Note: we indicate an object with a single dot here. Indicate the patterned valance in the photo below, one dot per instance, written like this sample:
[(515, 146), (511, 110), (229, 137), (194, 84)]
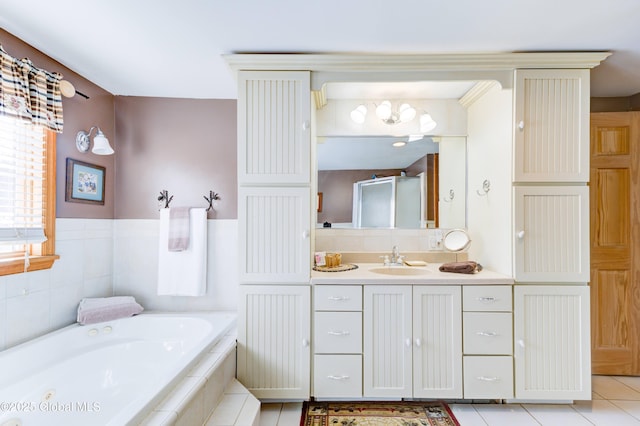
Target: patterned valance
[(30, 93)]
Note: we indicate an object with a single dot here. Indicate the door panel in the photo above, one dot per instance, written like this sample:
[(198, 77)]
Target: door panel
[(615, 234)]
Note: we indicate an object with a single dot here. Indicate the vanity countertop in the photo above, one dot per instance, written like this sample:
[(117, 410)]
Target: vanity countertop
[(429, 274)]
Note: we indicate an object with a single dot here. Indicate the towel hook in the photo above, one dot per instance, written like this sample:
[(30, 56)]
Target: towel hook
[(486, 186), (164, 196), (213, 196), (450, 197)]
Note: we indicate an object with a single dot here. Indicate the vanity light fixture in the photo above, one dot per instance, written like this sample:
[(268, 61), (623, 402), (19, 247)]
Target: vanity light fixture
[(100, 142), (404, 113)]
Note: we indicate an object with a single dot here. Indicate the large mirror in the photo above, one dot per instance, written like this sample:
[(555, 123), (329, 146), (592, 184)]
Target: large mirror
[(418, 184), (378, 175)]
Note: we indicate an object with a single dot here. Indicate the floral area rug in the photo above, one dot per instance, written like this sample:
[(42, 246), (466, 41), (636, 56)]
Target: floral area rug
[(409, 413)]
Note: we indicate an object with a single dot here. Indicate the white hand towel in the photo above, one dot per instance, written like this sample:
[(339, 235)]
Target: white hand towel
[(178, 228), (183, 273)]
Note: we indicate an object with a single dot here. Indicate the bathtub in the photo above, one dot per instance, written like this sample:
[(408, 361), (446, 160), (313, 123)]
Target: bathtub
[(111, 373)]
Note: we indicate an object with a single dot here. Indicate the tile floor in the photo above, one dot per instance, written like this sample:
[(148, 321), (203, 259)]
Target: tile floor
[(616, 402)]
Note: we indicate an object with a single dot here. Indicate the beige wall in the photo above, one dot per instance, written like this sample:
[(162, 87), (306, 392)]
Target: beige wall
[(79, 114), (186, 146)]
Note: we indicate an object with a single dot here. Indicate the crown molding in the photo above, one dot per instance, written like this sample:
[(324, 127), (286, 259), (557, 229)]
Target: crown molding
[(476, 92), (413, 62)]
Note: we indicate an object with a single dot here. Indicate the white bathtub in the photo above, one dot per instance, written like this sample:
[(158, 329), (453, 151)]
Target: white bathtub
[(111, 373)]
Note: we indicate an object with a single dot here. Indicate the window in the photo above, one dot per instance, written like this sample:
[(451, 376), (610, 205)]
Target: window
[(27, 196)]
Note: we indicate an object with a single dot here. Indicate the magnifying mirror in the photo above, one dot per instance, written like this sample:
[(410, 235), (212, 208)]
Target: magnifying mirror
[(456, 240)]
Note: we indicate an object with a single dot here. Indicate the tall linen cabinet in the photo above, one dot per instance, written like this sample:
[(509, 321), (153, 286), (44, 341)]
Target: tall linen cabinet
[(274, 330), (551, 235)]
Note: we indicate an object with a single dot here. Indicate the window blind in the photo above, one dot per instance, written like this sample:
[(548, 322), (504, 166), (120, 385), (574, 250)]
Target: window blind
[(22, 172)]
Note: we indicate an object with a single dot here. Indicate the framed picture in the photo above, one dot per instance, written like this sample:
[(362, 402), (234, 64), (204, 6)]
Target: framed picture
[(85, 182)]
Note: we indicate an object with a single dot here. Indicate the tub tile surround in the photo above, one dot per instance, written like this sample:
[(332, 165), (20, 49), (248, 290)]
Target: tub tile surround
[(136, 266), (209, 395), (38, 302)]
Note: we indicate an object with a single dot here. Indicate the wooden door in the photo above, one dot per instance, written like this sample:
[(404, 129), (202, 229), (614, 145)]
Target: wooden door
[(615, 243)]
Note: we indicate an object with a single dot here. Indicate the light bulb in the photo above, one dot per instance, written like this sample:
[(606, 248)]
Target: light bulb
[(358, 115), (383, 111)]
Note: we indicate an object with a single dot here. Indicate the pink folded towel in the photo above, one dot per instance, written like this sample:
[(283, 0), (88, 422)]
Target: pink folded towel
[(99, 309), (178, 228)]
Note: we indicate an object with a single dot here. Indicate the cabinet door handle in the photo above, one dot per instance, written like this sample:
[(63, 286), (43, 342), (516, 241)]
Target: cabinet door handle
[(486, 299), (338, 333), (305, 343), (305, 125), (305, 234), (487, 333), (332, 377), (521, 125), (408, 343), (520, 235), (337, 298), (521, 343), (418, 342), (488, 379)]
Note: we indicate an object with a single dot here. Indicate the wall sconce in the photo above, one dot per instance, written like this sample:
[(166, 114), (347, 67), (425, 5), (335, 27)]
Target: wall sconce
[(100, 142)]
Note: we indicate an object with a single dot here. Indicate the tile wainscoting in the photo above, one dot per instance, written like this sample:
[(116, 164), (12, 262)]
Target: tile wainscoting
[(105, 257)]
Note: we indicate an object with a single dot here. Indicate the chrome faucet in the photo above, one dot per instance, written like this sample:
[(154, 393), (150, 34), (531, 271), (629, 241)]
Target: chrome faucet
[(396, 259)]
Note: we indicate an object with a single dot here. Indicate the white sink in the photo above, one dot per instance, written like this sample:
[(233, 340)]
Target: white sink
[(398, 270)]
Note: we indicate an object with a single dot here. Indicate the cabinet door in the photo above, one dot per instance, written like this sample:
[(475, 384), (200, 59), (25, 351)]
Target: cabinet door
[(551, 126), (552, 350), (274, 235), (274, 113), (551, 234), (274, 327), (437, 334), (387, 341)]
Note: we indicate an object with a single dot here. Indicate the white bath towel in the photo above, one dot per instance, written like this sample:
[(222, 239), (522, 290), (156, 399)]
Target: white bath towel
[(183, 273)]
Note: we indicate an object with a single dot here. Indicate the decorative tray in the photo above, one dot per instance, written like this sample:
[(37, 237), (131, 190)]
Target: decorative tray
[(340, 268)]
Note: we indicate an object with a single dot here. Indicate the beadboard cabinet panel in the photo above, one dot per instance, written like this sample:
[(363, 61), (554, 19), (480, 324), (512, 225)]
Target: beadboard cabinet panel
[(274, 331), (552, 342), (551, 126), (551, 240), (274, 239), (274, 115)]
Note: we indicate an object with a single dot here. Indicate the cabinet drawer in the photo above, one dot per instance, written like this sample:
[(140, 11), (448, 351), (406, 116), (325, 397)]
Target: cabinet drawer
[(486, 298), (337, 376), (488, 377), (338, 332), (487, 333), (337, 297)]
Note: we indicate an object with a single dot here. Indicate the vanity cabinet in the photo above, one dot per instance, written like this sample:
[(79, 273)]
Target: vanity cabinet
[(552, 342), (274, 336), (274, 223), (551, 140), (337, 341), (487, 342), (551, 234), (412, 341)]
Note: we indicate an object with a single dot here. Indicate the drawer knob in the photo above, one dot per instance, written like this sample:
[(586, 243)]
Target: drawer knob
[(488, 379), (338, 333), (486, 299), (337, 298), (487, 333), (332, 377)]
